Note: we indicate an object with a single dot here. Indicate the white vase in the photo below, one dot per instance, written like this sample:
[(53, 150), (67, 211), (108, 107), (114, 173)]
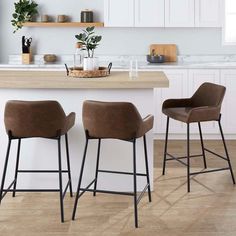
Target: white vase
[(90, 63)]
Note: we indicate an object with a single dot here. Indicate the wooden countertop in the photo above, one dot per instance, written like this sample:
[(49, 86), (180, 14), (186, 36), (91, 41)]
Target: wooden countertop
[(58, 80)]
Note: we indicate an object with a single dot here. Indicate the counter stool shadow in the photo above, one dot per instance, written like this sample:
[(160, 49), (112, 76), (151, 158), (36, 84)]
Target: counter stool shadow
[(114, 120), (37, 119), (203, 106)]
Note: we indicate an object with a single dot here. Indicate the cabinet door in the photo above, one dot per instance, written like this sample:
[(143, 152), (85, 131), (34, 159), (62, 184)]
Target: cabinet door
[(228, 106), (119, 13), (177, 89), (149, 13), (196, 78), (208, 13), (179, 13)]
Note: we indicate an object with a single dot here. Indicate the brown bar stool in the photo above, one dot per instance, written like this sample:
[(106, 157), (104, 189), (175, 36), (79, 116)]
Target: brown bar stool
[(41, 119), (204, 105), (114, 120)]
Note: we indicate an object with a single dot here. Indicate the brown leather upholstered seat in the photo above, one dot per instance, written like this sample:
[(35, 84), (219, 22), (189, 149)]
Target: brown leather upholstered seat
[(43, 119), (119, 120), (204, 105), (37, 119), (114, 120)]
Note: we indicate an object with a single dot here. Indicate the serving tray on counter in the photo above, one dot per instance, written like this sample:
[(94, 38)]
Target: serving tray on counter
[(78, 72)]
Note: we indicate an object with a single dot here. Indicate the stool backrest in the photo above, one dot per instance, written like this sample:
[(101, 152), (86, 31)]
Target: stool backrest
[(209, 94), (119, 120), (34, 118)]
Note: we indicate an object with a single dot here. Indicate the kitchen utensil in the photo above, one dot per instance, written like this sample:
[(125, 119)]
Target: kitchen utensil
[(168, 50), (86, 16), (26, 43), (156, 58)]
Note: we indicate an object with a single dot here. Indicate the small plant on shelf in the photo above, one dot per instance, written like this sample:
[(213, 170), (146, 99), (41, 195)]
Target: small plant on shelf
[(24, 11), (88, 41)]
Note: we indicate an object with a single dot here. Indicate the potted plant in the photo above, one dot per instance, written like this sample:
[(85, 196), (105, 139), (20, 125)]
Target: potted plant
[(24, 11), (89, 42)]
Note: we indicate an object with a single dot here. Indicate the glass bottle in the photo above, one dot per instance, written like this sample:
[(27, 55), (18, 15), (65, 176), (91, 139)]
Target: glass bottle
[(78, 56)]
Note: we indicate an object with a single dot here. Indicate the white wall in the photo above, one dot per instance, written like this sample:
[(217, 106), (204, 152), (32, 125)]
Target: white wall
[(115, 40)]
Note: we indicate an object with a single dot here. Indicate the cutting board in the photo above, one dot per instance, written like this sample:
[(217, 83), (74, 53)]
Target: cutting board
[(169, 50)]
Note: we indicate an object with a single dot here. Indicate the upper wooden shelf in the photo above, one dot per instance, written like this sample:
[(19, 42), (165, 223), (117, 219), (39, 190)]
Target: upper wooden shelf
[(64, 24)]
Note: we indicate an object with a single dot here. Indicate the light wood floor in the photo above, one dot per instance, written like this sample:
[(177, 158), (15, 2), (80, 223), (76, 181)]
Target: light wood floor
[(209, 210)]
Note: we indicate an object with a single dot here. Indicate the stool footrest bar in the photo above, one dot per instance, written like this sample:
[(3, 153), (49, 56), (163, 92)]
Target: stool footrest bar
[(120, 172), (209, 171), (64, 193), (175, 158), (184, 157), (215, 154), (106, 191), (142, 193), (41, 171), (86, 189), (8, 189), (32, 190)]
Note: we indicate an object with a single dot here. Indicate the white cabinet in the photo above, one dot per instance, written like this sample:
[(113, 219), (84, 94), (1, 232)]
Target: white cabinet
[(178, 80), (208, 13), (163, 13), (228, 79), (134, 13), (179, 13), (149, 13), (196, 78), (119, 13)]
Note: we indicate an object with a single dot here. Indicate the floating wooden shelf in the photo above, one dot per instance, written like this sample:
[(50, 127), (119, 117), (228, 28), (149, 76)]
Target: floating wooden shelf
[(64, 24)]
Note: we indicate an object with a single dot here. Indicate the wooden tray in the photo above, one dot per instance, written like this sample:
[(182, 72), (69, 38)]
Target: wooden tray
[(78, 72)]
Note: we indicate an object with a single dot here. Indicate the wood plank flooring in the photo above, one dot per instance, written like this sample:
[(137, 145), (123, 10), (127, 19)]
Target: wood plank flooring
[(209, 210)]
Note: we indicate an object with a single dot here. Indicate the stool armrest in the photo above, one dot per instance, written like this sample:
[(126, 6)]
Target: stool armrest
[(204, 113), (146, 125), (170, 103), (69, 122)]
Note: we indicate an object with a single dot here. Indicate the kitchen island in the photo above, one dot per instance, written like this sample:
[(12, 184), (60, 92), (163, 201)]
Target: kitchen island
[(46, 84)]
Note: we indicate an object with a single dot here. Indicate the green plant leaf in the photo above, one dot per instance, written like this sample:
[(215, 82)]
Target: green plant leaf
[(89, 40), (24, 11), (90, 29)]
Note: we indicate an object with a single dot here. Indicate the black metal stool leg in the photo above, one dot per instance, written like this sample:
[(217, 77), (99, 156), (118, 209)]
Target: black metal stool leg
[(226, 150), (147, 169), (68, 164), (60, 179), (166, 142), (188, 157), (97, 166), (202, 145), (17, 165), (80, 180), (5, 169), (135, 185)]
